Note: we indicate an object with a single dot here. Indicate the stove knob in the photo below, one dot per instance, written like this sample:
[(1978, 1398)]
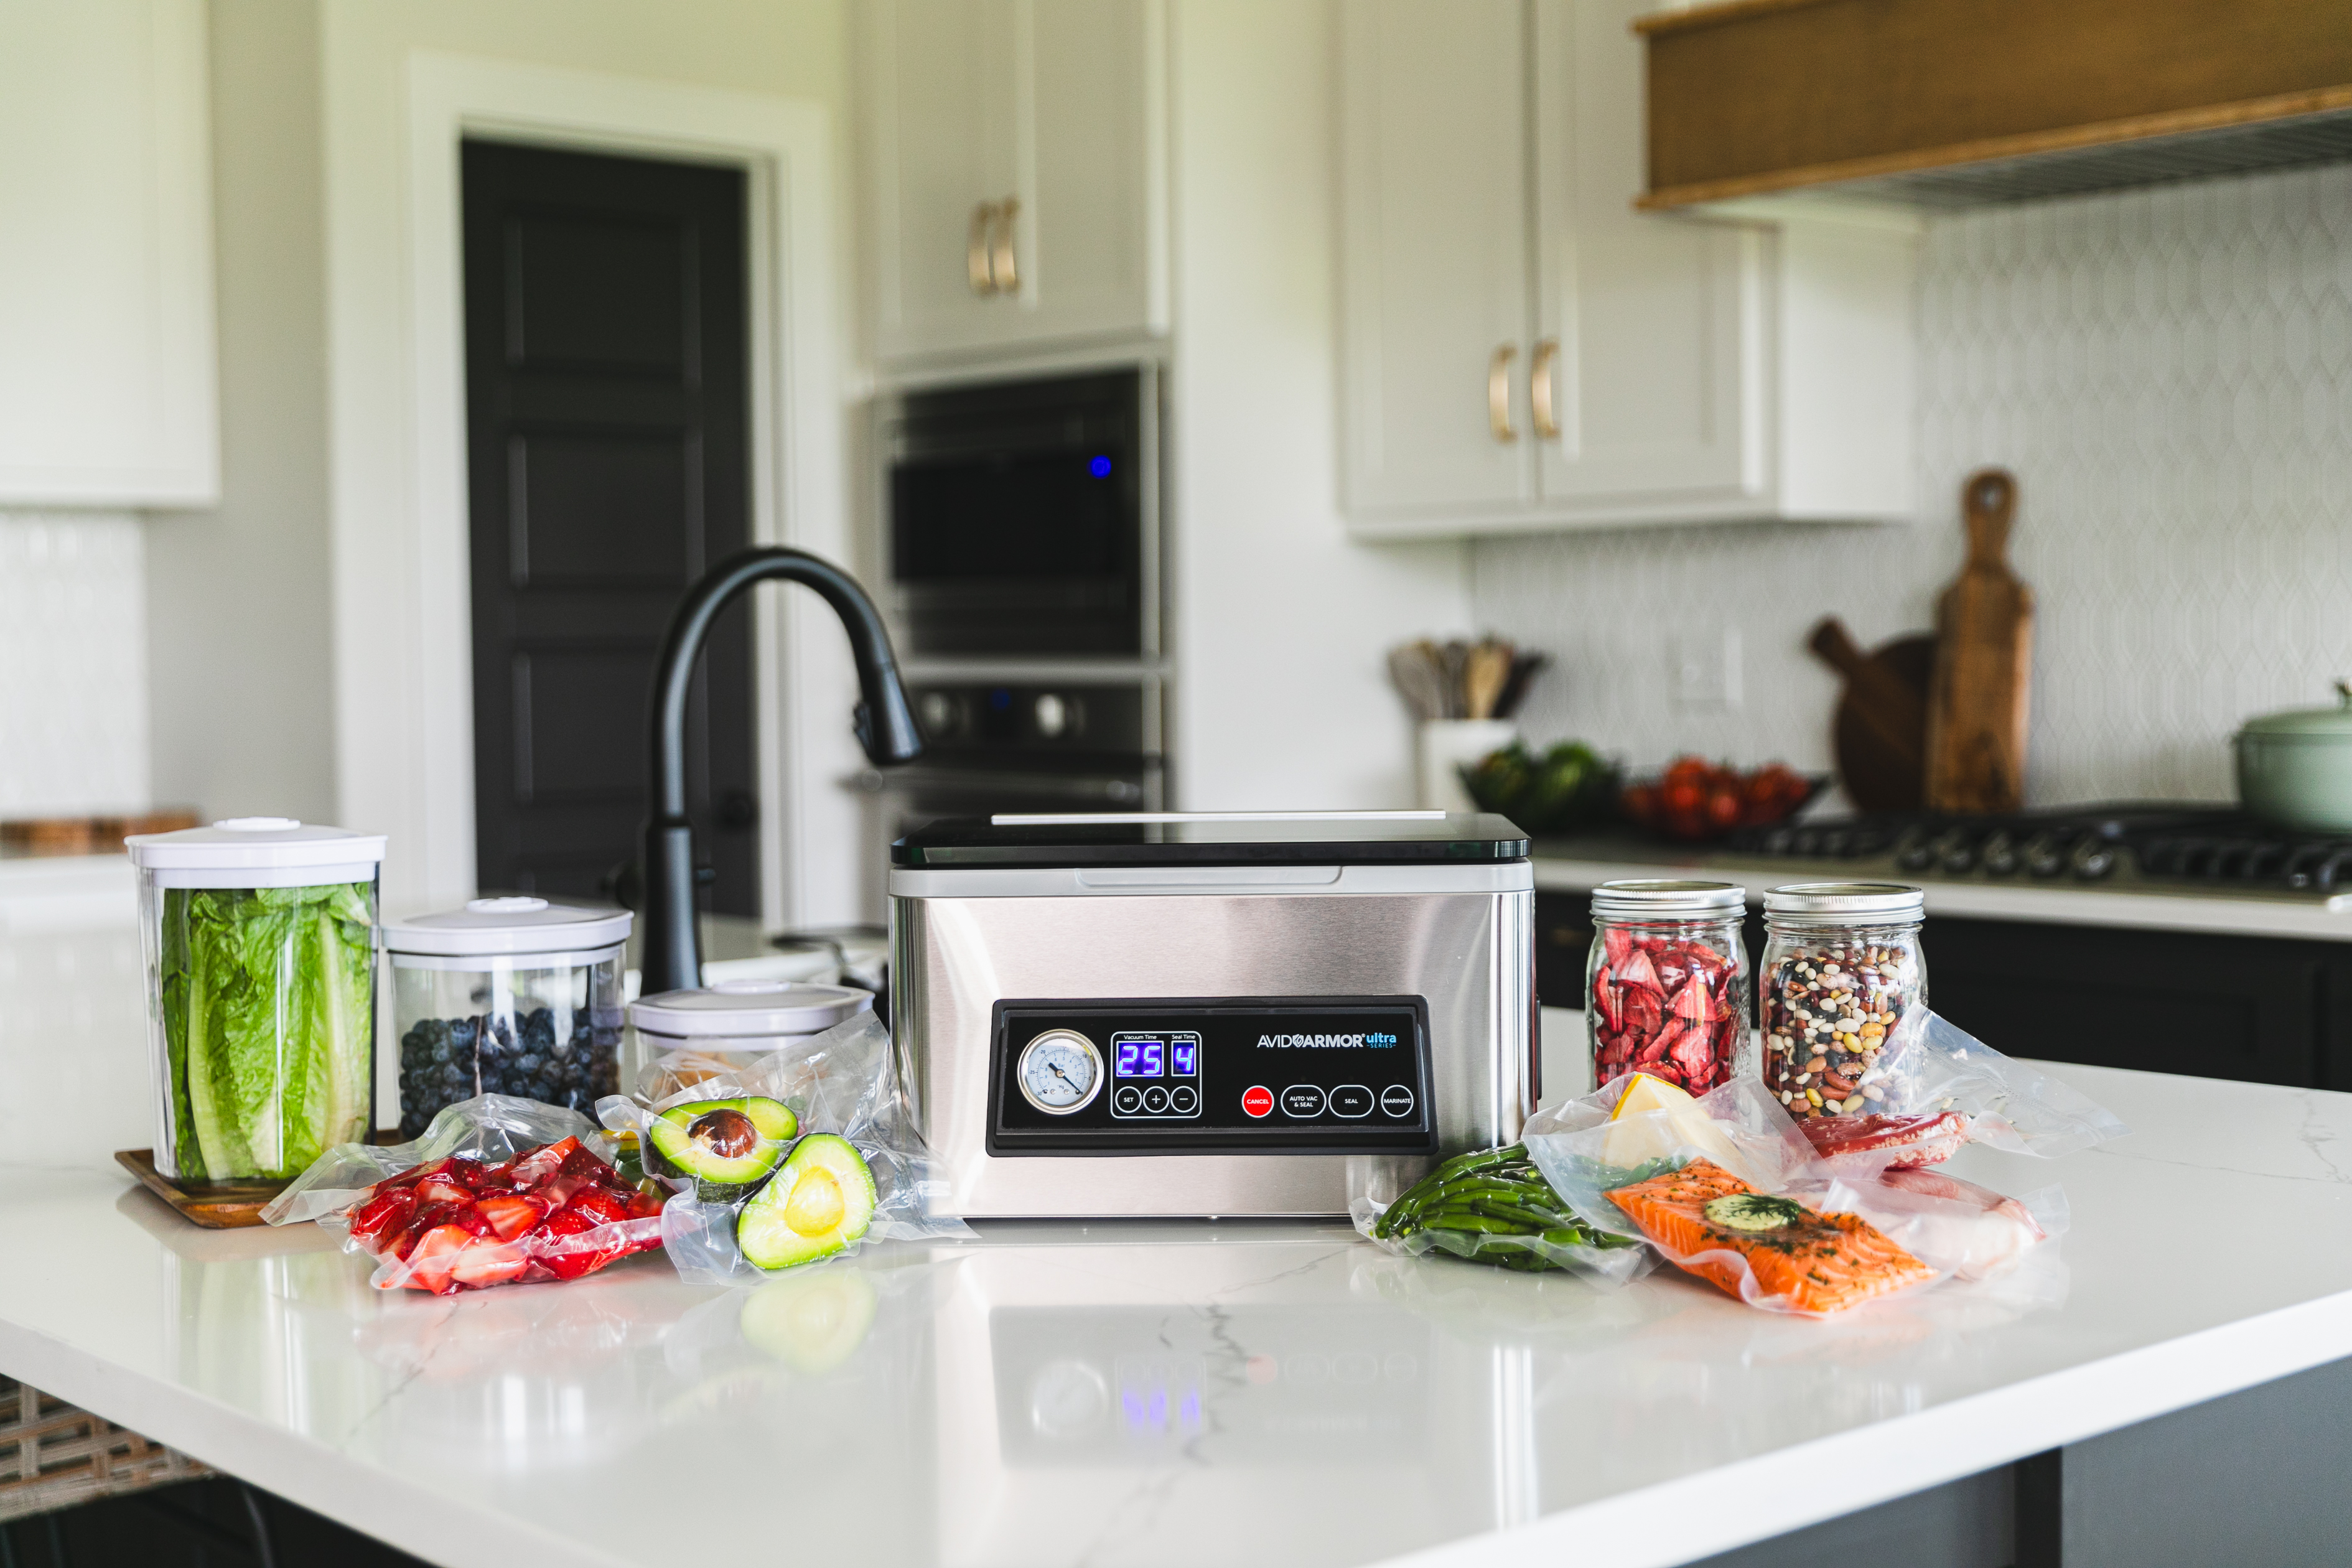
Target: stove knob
[(2001, 856), (1914, 851), (1955, 852), (2045, 855), (2092, 859), (1052, 715)]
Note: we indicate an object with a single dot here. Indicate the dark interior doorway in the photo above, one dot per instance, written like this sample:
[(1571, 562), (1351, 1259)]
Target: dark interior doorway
[(608, 465)]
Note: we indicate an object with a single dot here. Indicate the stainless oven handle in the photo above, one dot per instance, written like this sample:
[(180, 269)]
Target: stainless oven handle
[(1058, 786)]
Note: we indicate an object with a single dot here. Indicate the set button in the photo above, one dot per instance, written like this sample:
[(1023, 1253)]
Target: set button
[(1396, 1101), (1128, 1100), (1302, 1101), (1351, 1100)]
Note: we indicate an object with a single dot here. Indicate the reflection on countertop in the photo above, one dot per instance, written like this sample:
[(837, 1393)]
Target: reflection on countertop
[(1164, 1392)]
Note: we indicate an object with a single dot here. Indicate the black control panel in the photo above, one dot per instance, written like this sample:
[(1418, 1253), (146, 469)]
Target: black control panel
[(1286, 1074)]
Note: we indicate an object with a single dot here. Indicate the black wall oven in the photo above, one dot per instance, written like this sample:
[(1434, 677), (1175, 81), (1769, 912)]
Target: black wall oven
[(1023, 517)]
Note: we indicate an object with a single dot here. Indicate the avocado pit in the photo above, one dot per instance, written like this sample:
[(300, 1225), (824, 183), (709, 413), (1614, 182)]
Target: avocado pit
[(726, 1133)]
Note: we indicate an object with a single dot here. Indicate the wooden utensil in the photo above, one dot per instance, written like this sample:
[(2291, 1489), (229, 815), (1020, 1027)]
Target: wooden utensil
[(1880, 731), (1483, 677), (1984, 643)]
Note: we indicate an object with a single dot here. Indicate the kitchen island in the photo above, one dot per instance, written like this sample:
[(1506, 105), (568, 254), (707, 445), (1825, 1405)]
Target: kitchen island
[(1182, 1392)]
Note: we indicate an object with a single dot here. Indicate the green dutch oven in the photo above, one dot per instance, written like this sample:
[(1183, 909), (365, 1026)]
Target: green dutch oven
[(2296, 769)]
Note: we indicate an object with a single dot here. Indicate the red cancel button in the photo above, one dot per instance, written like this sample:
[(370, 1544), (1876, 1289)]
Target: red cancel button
[(1258, 1102)]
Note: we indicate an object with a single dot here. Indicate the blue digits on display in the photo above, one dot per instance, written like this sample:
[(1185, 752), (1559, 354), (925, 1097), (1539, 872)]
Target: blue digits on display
[(1184, 1058), (1140, 1058)]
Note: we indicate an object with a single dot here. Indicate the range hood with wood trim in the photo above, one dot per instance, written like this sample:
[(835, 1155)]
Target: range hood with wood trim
[(1957, 103)]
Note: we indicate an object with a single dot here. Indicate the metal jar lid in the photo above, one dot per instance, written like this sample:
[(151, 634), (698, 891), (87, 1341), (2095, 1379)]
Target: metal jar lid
[(510, 926), (734, 1009), (1862, 902), (1669, 901)]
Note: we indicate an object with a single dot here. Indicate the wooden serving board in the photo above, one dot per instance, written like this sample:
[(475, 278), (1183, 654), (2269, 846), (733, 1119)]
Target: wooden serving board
[(1984, 643), (215, 1206), (1880, 733)]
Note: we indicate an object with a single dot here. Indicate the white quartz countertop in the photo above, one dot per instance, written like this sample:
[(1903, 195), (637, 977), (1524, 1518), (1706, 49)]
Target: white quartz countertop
[(2222, 909), (1174, 1392)]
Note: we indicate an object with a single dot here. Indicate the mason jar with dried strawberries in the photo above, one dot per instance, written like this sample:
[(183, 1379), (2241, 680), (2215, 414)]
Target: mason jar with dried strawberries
[(1844, 983), (1665, 983)]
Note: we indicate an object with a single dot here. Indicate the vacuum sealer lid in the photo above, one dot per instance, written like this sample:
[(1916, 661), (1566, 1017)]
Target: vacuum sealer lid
[(1213, 838)]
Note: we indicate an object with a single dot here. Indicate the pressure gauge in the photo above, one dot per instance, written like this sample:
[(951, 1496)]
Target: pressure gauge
[(1060, 1072)]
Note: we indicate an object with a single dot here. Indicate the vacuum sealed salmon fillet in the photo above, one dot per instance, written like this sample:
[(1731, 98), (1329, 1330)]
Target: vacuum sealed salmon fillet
[(1769, 1251)]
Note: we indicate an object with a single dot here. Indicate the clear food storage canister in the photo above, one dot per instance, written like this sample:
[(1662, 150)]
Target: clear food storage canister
[(1843, 978), (686, 1036), (515, 995), (260, 944), (1665, 983)]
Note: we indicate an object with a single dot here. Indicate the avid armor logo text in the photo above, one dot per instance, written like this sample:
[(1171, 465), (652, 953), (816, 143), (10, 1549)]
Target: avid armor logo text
[(1322, 1042)]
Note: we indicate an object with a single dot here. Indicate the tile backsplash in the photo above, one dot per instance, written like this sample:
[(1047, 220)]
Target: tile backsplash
[(2168, 374), (73, 664)]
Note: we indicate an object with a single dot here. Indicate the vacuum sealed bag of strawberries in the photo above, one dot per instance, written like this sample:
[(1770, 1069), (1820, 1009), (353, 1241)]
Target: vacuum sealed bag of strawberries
[(499, 1190)]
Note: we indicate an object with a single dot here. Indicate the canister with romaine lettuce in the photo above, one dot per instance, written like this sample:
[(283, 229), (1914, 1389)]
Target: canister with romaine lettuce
[(259, 936)]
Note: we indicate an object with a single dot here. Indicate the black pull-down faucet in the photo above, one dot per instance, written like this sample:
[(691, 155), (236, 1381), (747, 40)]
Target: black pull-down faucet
[(886, 728)]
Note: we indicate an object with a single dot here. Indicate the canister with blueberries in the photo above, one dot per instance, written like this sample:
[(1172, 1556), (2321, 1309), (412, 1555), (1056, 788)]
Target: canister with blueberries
[(515, 996), (1844, 983)]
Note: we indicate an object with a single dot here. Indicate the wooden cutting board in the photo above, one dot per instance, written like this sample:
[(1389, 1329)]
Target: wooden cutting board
[(1984, 643), (1880, 732)]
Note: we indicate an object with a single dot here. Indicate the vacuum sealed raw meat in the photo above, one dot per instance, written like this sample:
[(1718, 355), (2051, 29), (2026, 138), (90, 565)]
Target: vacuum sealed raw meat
[(1947, 1088)]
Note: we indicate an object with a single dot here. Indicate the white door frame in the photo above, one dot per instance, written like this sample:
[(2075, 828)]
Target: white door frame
[(403, 679)]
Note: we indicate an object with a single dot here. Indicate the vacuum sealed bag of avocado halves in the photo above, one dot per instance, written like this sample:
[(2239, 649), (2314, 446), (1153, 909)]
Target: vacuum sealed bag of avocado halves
[(808, 1154)]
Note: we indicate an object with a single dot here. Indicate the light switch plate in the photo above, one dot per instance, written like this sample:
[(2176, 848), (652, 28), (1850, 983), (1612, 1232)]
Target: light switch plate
[(1702, 667)]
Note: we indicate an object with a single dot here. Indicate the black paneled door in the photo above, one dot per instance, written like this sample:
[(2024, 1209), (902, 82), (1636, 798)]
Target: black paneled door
[(608, 466)]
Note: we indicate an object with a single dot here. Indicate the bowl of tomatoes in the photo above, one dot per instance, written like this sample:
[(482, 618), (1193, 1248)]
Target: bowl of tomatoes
[(1696, 800)]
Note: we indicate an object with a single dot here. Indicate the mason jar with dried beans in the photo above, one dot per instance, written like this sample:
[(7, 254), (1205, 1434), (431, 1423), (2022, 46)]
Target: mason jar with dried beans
[(1665, 983), (1844, 981)]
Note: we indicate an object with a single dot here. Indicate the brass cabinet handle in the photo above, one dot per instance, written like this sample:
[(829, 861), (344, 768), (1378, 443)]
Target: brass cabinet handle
[(975, 250), (1539, 389), (1003, 269), (1498, 393)]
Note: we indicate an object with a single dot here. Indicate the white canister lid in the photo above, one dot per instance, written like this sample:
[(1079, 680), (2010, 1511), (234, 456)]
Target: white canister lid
[(489, 927), (737, 1007), (258, 852)]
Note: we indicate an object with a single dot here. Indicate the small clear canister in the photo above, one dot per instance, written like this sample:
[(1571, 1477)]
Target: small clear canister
[(684, 1037), (1665, 983), (517, 996), (1844, 981)]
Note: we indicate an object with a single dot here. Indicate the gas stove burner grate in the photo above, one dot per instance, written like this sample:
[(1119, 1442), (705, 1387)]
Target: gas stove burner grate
[(2090, 844)]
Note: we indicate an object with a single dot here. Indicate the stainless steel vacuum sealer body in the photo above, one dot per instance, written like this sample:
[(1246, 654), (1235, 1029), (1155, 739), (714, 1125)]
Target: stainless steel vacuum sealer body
[(1169, 1038)]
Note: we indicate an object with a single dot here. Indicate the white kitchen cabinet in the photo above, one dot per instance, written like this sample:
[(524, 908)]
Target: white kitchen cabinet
[(107, 385), (1018, 171), (1523, 350)]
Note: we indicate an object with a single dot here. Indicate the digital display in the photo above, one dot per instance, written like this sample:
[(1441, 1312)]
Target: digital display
[(1315, 1075)]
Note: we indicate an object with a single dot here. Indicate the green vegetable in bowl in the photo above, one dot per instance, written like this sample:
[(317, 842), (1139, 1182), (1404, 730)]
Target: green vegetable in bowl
[(269, 1020), (1548, 793)]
